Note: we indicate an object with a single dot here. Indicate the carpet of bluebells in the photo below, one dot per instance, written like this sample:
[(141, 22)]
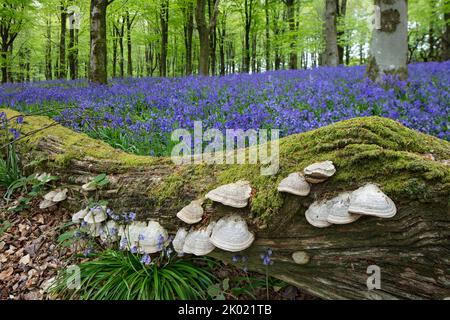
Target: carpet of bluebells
[(139, 115)]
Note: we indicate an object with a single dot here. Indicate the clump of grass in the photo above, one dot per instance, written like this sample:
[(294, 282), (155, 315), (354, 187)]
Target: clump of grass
[(121, 275)]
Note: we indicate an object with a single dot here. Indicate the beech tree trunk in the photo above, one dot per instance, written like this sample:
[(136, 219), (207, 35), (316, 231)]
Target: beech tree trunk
[(341, 12), (389, 47), (188, 33), (164, 20), (48, 52), (293, 57), (331, 51), (446, 38), (129, 22), (411, 250), (267, 30), (62, 44), (98, 48)]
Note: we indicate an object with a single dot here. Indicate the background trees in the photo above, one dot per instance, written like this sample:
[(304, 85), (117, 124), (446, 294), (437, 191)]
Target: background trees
[(182, 37)]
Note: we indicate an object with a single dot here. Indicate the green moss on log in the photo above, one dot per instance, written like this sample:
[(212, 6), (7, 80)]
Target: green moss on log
[(369, 149)]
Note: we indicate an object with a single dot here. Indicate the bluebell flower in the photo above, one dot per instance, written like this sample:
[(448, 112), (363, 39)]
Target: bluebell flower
[(134, 249), (141, 237), (146, 259), (123, 243)]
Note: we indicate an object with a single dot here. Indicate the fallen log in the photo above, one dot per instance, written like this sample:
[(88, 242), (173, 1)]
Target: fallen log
[(412, 249)]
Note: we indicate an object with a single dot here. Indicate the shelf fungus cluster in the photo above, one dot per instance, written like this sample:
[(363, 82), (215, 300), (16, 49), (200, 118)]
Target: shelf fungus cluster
[(230, 233), (145, 237), (348, 207), (53, 198), (344, 208), (234, 195)]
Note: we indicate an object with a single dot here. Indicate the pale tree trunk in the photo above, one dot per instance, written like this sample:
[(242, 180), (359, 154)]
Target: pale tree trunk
[(98, 46), (331, 51), (389, 46), (411, 250), (267, 30), (129, 22)]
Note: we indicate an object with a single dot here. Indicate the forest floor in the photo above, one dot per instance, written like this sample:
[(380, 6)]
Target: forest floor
[(30, 257)]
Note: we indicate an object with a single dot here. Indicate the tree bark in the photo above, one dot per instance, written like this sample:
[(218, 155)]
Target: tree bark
[(446, 38), (267, 30), (62, 74), (248, 20), (222, 35), (204, 28), (164, 20), (48, 52), (73, 50), (98, 48), (188, 33), (389, 47), (129, 22), (293, 57), (341, 12), (331, 51), (411, 249)]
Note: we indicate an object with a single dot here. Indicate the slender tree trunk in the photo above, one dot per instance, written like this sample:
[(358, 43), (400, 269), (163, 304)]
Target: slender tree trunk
[(389, 47), (188, 34), (254, 43), (73, 49), (98, 47), (203, 33), (222, 35), (164, 20), (248, 11), (114, 57), (293, 57), (212, 39), (129, 22), (341, 12), (48, 52), (267, 29), (446, 38), (331, 51), (62, 44)]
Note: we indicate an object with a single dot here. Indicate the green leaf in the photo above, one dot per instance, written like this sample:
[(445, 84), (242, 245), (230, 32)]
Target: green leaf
[(226, 284)]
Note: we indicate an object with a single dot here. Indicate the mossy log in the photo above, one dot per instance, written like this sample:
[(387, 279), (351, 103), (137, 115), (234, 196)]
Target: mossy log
[(412, 249)]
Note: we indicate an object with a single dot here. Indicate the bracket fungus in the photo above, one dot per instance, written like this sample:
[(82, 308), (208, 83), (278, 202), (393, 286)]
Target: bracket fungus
[(51, 195), (178, 241), (46, 204), (317, 215), (192, 213), (338, 210), (296, 184), (319, 172), (77, 217), (231, 234), (148, 237), (370, 200), (234, 195), (110, 231), (60, 196), (96, 214), (197, 242)]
